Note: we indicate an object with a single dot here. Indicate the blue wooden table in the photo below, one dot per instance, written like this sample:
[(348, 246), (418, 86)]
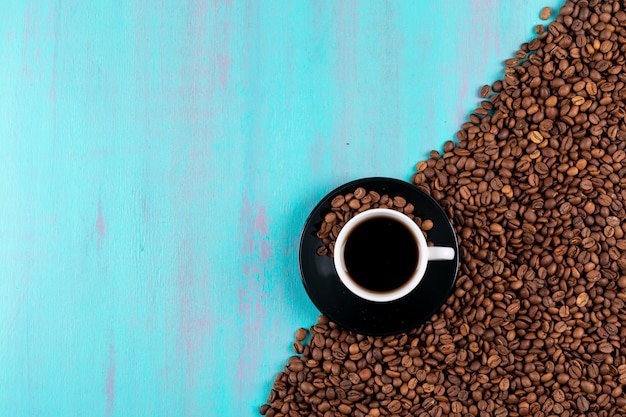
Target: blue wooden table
[(158, 161)]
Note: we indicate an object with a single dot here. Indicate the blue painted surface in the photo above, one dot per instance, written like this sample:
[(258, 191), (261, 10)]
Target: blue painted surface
[(158, 160)]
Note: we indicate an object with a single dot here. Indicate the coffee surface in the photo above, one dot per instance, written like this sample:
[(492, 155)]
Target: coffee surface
[(381, 254)]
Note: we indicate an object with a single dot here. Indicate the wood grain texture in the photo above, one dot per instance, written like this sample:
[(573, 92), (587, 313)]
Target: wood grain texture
[(158, 161)]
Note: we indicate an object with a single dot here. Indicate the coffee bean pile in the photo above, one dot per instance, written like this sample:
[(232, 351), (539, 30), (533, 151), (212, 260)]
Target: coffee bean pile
[(535, 186), (344, 207)]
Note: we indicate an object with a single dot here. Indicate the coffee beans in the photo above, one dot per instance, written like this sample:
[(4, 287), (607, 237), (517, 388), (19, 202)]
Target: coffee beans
[(344, 207), (545, 13), (535, 136), (485, 91), (535, 189)]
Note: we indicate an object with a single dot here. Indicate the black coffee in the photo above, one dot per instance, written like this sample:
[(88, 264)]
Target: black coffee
[(381, 254)]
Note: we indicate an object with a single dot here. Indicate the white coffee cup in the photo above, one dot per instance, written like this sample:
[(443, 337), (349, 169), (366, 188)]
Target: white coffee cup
[(425, 254)]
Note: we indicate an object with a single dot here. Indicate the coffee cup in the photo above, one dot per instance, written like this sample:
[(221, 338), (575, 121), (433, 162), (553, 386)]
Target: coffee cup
[(381, 255)]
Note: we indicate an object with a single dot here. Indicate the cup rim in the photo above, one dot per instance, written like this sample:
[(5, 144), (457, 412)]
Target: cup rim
[(368, 294)]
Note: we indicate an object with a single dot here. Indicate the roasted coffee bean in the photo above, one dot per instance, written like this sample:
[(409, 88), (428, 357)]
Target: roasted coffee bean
[(301, 334), (534, 187), (359, 193), (582, 403), (399, 201), (485, 91)]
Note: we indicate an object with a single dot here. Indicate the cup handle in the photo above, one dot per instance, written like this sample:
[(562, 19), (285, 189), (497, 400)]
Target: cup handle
[(440, 253)]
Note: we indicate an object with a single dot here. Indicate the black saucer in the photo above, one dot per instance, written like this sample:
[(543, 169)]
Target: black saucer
[(334, 300)]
